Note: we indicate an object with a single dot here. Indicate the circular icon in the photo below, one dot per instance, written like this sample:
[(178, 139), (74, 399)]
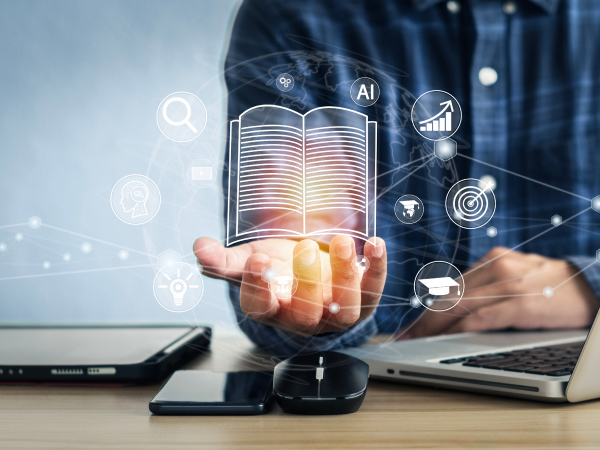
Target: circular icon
[(181, 116), (436, 115), (283, 284), (470, 204), (439, 286), (285, 82), (135, 199), (364, 91), (360, 264), (201, 173), (409, 209), (178, 287)]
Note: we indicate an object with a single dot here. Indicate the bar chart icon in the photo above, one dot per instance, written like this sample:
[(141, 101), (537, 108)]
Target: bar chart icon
[(439, 122), (436, 115)]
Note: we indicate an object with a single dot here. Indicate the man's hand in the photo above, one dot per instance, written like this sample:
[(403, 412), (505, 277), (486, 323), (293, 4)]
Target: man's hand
[(323, 278), (504, 290)]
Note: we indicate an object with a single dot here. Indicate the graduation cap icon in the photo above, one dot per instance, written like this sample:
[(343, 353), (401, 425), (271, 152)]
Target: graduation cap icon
[(409, 207), (439, 286)]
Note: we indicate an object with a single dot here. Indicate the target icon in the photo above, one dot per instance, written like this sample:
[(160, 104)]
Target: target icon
[(470, 203)]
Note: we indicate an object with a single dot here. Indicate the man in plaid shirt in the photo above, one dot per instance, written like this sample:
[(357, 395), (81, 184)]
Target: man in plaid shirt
[(527, 76)]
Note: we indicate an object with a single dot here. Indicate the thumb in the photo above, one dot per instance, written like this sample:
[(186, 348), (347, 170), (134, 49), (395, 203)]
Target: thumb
[(220, 262)]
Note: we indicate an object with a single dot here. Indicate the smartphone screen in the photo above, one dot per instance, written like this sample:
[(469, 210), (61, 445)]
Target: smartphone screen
[(214, 393)]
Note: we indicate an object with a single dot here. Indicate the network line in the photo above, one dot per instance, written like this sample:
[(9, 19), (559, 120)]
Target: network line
[(524, 177), (40, 275)]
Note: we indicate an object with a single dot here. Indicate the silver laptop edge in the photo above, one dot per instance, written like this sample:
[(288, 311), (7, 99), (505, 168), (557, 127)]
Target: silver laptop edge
[(416, 361)]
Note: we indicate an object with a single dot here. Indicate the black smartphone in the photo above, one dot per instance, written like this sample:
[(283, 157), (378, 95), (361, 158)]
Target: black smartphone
[(201, 392)]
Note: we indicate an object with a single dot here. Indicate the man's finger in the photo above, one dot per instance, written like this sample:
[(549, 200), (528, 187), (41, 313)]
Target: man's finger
[(345, 282), (220, 262), (493, 317), (307, 303), (256, 299), (373, 279)]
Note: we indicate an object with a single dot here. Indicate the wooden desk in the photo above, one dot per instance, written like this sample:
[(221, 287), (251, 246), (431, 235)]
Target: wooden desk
[(392, 416)]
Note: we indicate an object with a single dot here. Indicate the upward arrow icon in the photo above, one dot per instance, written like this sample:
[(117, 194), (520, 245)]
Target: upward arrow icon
[(447, 103)]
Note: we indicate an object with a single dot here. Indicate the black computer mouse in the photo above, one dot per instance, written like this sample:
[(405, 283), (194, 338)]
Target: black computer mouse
[(321, 383)]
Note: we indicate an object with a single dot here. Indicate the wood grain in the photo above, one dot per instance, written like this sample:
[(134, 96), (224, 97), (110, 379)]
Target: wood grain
[(392, 416)]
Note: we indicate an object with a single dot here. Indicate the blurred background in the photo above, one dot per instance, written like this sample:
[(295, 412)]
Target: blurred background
[(80, 84)]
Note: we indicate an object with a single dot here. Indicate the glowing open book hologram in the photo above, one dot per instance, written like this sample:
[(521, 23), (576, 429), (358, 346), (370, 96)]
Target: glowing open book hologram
[(300, 175)]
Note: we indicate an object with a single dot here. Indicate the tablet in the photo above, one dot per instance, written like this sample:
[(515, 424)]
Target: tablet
[(97, 354)]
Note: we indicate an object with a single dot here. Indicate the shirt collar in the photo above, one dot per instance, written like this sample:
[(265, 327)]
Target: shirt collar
[(549, 6)]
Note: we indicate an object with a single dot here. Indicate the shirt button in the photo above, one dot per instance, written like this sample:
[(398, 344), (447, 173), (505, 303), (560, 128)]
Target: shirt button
[(453, 7), (509, 7), (488, 76)]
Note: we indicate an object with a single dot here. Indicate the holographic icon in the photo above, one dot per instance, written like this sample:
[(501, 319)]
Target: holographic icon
[(409, 209), (439, 286), (178, 287), (436, 115), (284, 82), (135, 199), (300, 165), (364, 91), (471, 204), (201, 173), (283, 284), (181, 116), (360, 264)]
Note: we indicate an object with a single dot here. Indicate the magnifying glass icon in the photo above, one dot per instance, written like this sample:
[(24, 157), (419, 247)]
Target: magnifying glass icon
[(188, 114)]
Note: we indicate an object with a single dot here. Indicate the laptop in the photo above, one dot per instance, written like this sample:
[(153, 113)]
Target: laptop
[(550, 366)]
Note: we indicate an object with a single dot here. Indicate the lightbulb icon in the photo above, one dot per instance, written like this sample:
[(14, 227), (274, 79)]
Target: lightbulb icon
[(178, 288)]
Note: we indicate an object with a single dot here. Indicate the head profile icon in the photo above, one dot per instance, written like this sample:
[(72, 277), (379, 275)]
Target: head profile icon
[(133, 198)]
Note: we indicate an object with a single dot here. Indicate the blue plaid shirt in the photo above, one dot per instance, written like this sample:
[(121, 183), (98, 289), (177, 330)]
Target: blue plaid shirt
[(536, 130)]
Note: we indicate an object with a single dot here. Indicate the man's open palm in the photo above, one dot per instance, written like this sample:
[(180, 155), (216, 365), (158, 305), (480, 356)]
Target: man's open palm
[(322, 277)]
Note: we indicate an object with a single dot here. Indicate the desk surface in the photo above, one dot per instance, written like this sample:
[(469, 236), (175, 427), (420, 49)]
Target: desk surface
[(392, 416)]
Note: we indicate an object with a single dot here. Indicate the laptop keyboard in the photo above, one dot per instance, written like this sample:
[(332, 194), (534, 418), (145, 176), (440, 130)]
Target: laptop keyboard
[(553, 360)]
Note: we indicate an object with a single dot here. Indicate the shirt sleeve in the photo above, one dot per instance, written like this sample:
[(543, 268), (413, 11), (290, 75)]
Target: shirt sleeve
[(590, 269)]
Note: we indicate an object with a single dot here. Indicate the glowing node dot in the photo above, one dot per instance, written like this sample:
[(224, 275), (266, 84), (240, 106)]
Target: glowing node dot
[(19, 237), (3, 247), (34, 222), (267, 274), (46, 265), (445, 149), (334, 308), (414, 302), (429, 302), (67, 257), (123, 255), (556, 220), (487, 182), (548, 292), (492, 232), (596, 203), (86, 247)]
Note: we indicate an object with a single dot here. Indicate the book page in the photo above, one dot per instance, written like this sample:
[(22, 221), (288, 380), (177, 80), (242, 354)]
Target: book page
[(270, 175), (336, 171)]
